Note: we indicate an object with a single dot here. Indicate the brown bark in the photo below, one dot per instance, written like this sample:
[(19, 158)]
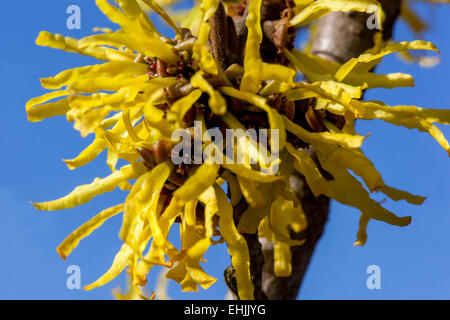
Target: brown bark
[(340, 37), (271, 12)]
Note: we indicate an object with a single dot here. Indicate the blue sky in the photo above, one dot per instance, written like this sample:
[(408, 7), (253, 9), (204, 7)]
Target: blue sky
[(414, 261)]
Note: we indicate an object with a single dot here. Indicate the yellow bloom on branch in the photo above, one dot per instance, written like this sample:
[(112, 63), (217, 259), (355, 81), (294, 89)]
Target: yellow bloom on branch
[(148, 86)]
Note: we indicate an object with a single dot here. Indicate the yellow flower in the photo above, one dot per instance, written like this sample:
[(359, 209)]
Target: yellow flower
[(149, 86)]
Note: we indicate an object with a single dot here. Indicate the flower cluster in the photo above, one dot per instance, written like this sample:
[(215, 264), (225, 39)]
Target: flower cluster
[(149, 86)]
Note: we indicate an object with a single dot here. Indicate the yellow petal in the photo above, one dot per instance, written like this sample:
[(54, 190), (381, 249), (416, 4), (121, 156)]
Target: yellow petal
[(88, 154), (101, 70), (37, 110), (251, 80), (361, 236), (120, 262), (71, 242), (347, 190), (159, 10), (321, 8), (217, 103), (275, 119), (374, 55), (342, 139), (155, 184), (83, 194), (316, 68), (250, 174), (237, 246), (201, 52), (146, 200), (236, 193), (407, 116), (58, 41), (191, 20), (271, 71), (181, 106), (139, 29), (204, 177), (251, 218), (251, 192), (397, 195), (282, 264), (307, 167), (283, 213)]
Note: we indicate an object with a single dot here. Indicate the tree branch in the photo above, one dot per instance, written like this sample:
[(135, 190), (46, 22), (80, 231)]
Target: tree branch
[(340, 37)]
